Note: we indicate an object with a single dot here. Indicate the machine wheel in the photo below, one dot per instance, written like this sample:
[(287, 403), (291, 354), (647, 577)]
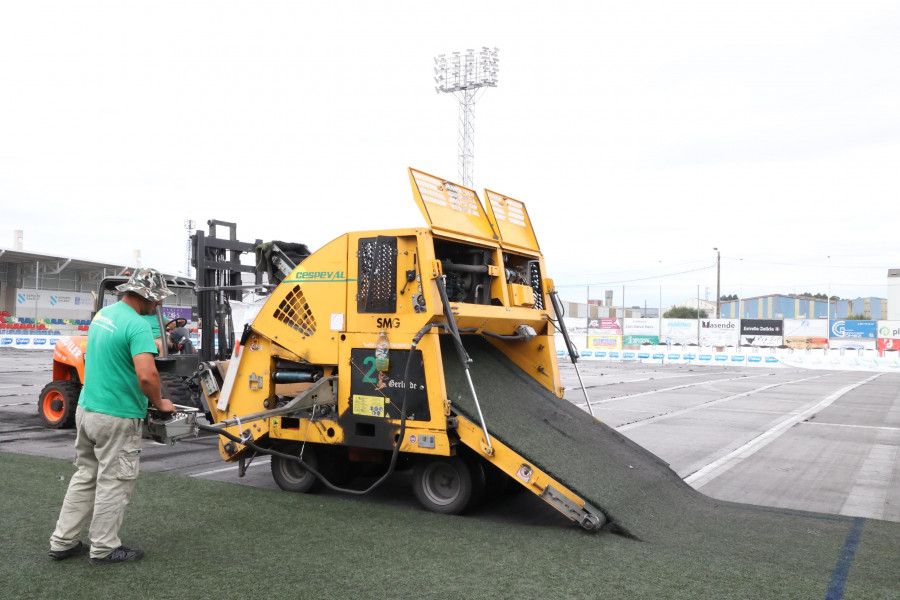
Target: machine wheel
[(290, 475), (57, 404), (335, 466), (447, 484), (178, 391)]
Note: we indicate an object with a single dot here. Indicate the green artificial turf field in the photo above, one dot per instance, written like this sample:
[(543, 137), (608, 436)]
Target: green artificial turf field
[(207, 539)]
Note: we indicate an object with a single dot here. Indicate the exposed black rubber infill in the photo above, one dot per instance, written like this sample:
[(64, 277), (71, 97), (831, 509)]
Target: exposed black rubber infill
[(637, 491)]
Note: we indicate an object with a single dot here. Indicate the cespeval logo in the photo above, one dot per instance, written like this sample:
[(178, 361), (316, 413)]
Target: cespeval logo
[(754, 359), (39, 341), (721, 357), (24, 341), (7, 341), (318, 276)]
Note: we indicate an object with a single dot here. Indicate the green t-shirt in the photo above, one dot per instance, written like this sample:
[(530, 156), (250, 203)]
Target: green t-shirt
[(116, 335), (153, 321)]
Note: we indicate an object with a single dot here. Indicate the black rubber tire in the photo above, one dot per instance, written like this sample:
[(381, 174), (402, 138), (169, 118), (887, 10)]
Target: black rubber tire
[(178, 391), (335, 465), (446, 484), (57, 404), (290, 475)]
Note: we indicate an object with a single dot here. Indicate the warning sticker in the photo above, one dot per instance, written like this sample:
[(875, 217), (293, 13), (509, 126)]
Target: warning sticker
[(369, 406)]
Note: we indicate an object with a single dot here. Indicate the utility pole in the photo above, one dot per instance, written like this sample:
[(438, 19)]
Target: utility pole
[(718, 283)]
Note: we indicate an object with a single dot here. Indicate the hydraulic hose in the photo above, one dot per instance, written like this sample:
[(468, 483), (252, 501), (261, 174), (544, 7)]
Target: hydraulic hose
[(394, 454)]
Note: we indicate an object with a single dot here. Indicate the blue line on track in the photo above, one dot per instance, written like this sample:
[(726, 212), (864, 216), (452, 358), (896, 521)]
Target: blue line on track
[(845, 560)]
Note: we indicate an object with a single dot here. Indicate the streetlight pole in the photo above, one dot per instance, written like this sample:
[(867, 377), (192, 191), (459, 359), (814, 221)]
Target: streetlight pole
[(718, 283)]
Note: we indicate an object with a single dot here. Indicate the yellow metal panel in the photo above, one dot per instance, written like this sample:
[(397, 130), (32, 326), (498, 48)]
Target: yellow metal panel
[(510, 218), (450, 207), (510, 462), (308, 310), (414, 253), (520, 295), (537, 358)]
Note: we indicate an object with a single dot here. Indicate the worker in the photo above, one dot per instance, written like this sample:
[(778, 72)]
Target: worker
[(153, 321), (120, 378), (177, 337)]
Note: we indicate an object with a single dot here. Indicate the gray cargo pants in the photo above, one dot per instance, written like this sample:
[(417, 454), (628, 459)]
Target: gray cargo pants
[(107, 454)]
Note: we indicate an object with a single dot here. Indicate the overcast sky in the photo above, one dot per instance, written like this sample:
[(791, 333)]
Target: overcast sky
[(640, 135)]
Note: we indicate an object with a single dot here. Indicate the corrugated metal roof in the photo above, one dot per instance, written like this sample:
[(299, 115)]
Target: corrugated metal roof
[(54, 264)]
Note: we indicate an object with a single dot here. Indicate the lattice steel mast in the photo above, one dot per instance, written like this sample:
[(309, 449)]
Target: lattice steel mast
[(466, 76), (188, 250)]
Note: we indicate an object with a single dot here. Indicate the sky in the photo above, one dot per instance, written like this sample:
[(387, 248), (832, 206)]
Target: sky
[(640, 135)]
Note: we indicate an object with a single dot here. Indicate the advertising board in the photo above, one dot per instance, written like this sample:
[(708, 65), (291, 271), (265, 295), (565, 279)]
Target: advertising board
[(762, 332)]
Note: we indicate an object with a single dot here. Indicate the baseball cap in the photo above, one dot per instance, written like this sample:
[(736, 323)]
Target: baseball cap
[(149, 283)]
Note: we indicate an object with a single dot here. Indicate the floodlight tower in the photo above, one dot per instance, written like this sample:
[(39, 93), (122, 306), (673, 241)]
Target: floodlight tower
[(466, 76), (189, 225)]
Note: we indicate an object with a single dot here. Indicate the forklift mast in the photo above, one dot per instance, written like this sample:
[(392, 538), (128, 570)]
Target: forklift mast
[(220, 279)]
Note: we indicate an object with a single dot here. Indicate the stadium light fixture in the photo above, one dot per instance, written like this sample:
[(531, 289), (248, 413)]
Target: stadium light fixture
[(466, 76)]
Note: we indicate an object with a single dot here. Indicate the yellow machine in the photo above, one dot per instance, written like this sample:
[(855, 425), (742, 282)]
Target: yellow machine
[(360, 356)]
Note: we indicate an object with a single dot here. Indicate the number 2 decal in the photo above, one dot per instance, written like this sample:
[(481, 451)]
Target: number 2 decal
[(367, 378)]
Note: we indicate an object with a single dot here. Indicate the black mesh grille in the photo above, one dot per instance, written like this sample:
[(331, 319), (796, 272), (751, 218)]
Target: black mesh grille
[(534, 276), (377, 278), (294, 312)]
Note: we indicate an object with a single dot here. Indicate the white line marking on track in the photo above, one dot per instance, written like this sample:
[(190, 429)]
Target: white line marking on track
[(669, 389), (704, 475), (849, 425), (676, 413), (621, 378), (869, 495), (260, 463)]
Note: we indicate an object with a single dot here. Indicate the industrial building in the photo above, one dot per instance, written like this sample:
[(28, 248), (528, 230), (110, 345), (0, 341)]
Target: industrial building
[(777, 306)]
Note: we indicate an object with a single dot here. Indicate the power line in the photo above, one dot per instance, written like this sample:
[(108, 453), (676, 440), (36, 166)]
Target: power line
[(638, 279)]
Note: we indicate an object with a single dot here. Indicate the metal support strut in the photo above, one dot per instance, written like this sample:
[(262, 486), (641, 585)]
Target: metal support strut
[(464, 359), (570, 347)]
